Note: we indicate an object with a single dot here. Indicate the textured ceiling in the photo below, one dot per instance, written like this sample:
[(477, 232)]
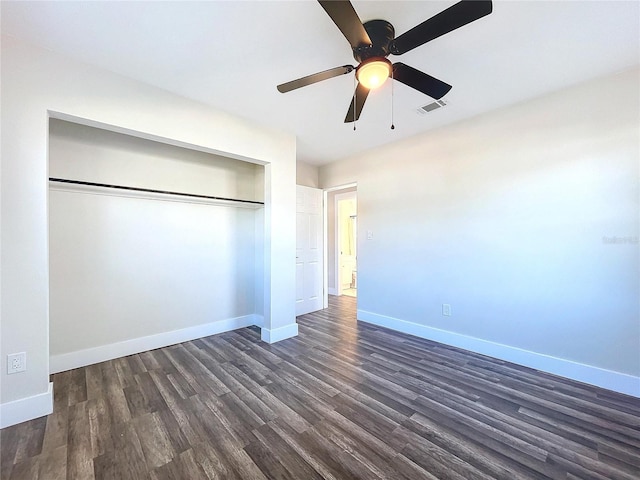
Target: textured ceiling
[(231, 55)]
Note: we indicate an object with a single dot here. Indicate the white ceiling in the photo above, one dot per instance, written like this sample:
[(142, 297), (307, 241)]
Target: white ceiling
[(231, 55)]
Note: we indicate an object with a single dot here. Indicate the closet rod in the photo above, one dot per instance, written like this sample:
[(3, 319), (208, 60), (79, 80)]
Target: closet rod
[(149, 190)]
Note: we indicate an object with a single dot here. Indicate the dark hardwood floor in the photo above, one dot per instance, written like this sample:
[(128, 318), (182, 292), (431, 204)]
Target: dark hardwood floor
[(343, 400)]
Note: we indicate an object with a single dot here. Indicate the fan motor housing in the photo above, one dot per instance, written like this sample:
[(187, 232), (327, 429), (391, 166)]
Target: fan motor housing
[(381, 34)]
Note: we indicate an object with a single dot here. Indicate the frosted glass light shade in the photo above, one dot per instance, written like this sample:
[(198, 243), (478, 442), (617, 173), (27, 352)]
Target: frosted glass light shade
[(373, 73)]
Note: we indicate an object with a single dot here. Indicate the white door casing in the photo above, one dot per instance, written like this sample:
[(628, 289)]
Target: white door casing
[(309, 250)]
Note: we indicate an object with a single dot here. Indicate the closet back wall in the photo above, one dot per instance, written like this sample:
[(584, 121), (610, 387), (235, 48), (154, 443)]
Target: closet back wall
[(129, 272)]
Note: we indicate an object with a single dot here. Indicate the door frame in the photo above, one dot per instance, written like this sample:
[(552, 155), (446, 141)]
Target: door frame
[(338, 231), (326, 220)]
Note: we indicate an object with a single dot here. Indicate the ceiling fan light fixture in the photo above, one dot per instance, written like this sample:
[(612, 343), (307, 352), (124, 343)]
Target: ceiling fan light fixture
[(373, 72), (373, 41)]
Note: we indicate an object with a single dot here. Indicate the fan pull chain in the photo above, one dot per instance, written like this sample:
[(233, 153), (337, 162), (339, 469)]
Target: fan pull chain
[(392, 82)]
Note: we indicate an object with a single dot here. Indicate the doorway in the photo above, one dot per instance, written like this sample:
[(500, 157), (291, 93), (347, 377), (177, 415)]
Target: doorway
[(342, 240), (346, 241)]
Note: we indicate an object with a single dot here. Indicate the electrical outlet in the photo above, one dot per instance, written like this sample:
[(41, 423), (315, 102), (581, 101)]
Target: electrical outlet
[(16, 362), (446, 309)]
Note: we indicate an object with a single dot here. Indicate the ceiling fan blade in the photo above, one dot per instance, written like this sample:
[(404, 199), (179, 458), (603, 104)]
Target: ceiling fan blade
[(420, 81), (316, 77), (347, 21), (453, 17), (360, 97)]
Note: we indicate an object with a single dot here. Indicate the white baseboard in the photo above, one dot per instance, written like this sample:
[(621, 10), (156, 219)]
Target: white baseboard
[(281, 333), (89, 356), (18, 411), (618, 382)]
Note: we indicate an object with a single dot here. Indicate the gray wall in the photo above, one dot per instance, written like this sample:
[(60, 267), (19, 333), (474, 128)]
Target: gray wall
[(306, 175), (510, 219)]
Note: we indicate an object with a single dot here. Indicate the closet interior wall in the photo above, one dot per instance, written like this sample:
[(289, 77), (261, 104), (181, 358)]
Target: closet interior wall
[(129, 269)]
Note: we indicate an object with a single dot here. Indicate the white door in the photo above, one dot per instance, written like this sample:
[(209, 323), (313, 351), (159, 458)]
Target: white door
[(309, 250)]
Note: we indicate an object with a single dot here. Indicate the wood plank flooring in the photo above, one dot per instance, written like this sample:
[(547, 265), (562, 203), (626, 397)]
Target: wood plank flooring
[(343, 400)]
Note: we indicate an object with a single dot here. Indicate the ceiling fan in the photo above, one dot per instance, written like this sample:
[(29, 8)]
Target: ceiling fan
[(373, 41)]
